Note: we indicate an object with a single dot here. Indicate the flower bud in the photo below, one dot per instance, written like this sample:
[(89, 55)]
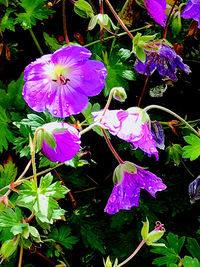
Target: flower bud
[(108, 263), (119, 94)]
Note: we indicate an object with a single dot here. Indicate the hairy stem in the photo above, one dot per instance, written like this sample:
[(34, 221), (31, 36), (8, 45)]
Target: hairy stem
[(173, 114), (119, 20), (143, 90), (133, 254), (20, 255), (64, 21), (111, 147), (36, 42)]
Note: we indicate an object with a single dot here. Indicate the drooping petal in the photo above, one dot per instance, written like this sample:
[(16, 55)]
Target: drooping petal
[(67, 142), (126, 194)]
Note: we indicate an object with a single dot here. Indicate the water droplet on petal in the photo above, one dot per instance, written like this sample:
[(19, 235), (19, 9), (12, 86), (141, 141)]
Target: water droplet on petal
[(55, 112)]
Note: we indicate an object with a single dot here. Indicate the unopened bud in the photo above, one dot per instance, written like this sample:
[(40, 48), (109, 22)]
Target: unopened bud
[(119, 94)]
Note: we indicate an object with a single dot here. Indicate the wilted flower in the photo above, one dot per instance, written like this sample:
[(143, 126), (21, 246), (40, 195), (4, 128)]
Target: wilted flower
[(67, 140), (192, 11), (158, 134), (156, 9), (131, 125), (163, 59), (61, 82), (126, 192)]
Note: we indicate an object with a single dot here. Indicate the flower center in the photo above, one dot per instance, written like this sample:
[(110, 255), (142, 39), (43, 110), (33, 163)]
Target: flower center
[(59, 75)]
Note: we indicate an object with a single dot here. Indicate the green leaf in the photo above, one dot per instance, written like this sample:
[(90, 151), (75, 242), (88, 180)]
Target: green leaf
[(62, 235), (192, 151), (8, 22), (193, 247), (190, 262), (124, 54), (8, 173), (83, 9), (4, 2), (5, 134), (140, 54), (12, 99), (51, 42), (42, 199), (33, 10), (170, 252)]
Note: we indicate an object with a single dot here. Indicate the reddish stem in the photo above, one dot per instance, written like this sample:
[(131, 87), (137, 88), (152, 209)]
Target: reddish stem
[(70, 194), (143, 90), (64, 22), (168, 18), (111, 147), (118, 19)]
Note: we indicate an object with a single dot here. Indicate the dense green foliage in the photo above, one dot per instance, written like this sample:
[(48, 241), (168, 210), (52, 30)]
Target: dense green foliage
[(61, 221)]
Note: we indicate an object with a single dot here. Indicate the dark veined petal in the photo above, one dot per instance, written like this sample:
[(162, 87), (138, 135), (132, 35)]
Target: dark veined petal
[(67, 142)]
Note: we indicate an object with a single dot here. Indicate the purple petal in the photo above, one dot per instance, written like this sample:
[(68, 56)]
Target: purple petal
[(71, 55), (93, 74), (156, 9), (67, 142), (126, 195)]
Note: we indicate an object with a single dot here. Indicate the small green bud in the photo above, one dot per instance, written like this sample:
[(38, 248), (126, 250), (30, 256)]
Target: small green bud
[(83, 9), (108, 262), (176, 24), (103, 20), (9, 247), (119, 94)]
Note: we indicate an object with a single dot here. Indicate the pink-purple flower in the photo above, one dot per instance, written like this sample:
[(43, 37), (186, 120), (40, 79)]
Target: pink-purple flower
[(132, 126), (156, 9), (126, 194), (61, 82), (67, 140), (192, 11), (163, 59)]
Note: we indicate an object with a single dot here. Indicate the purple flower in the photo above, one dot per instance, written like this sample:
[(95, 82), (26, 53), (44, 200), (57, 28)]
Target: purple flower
[(126, 194), (131, 125), (61, 82), (192, 11), (156, 9), (164, 60), (158, 134), (67, 141)]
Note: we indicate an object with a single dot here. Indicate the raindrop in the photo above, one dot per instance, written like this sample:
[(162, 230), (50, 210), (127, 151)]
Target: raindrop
[(55, 112)]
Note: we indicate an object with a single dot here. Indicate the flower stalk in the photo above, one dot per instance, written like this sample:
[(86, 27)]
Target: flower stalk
[(173, 114)]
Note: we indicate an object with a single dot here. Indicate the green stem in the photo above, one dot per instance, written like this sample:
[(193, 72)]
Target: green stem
[(119, 35), (33, 147), (133, 254), (90, 127), (36, 42), (173, 114), (187, 168)]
